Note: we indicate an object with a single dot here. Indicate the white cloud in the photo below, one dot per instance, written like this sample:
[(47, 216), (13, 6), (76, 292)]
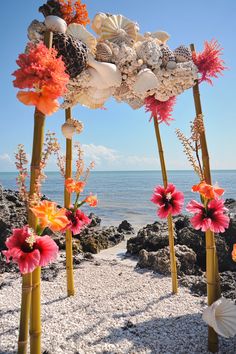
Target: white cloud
[(99, 153), (5, 157)]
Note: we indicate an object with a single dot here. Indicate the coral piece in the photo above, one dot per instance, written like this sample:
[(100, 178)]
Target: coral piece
[(208, 61), (74, 53), (160, 110), (74, 12)]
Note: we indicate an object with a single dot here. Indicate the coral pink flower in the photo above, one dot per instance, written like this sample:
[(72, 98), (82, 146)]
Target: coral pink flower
[(212, 217), (208, 191), (77, 220), (170, 200), (160, 110), (28, 250), (208, 62), (92, 200)]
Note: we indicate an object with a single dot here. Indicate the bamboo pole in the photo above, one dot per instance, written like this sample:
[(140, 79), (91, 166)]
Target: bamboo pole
[(170, 221), (212, 271), (25, 313), (38, 140), (67, 202)]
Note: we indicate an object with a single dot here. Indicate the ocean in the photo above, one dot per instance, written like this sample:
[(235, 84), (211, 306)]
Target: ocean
[(126, 194)]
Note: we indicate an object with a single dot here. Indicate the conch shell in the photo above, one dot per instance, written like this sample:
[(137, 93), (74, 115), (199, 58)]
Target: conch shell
[(146, 80), (107, 74), (93, 98), (221, 316), (55, 24), (79, 32), (118, 29)]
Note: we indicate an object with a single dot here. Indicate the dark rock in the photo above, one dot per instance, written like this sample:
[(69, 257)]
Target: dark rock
[(181, 221), (196, 284), (151, 238), (95, 220), (126, 228), (160, 261)]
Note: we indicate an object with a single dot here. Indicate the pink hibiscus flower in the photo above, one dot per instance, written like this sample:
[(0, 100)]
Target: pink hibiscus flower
[(77, 220), (28, 250), (169, 200), (211, 217)]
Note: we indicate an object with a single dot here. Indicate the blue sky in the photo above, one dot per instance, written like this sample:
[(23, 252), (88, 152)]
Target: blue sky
[(120, 138)]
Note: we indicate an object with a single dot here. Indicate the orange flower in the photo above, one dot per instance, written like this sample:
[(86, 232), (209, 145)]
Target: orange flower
[(92, 200), (74, 12), (208, 191), (42, 72), (73, 186), (44, 104), (50, 216), (234, 253)]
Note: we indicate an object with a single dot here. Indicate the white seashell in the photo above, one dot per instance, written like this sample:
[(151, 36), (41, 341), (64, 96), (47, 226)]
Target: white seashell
[(108, 72), (118, 29), (162, 36), (68, 130), (221, 316), (171, 65), (97, 22), (93, 98), (103, 52), (55, 24), (146, 80), (79, 32)]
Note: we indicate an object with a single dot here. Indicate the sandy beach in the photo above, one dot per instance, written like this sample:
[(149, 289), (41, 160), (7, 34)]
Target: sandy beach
[(117, 309)]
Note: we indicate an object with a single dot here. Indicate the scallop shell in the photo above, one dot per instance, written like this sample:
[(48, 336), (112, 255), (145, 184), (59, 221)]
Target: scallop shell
[(103, 52), (182, 54), (221, 316), (162, 36), (79, 32), (118, 29), (55, 24), (108, 72), (97, 22), (146, 80), (94, 98)]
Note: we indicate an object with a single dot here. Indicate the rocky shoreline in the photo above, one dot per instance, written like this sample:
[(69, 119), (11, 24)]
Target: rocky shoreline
[(149, 246)]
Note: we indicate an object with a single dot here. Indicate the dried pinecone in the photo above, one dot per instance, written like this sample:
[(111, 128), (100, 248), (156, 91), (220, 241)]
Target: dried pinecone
[(52, 7), (74, 53)]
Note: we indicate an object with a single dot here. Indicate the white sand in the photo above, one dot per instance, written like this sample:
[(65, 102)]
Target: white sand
[(116, 309)]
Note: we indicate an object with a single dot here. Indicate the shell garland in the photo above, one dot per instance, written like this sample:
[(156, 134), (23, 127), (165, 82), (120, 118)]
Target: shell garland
[(119, 62)]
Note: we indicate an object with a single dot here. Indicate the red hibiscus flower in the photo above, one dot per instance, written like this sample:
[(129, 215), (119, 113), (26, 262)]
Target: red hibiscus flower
[(77, 220), (169, 200)]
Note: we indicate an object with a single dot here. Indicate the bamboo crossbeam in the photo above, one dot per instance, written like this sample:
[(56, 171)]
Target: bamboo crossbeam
[(169, 220), (67, 202), (212, 272)]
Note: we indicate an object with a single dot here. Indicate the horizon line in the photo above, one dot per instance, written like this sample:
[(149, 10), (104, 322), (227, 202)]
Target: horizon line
[(170, 170)]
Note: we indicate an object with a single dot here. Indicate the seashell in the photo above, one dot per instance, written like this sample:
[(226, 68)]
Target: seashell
[(36, 30), (168, 57), (79, 32), (97, 22), (55, 24), (52, 7), (118, 29), (182, 54), (171, 65), (103, 52), (146, 80), (68, 130), (108, 72), (74, 53), (149, 51), (221, 316), (162, 36), (93, 98)]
